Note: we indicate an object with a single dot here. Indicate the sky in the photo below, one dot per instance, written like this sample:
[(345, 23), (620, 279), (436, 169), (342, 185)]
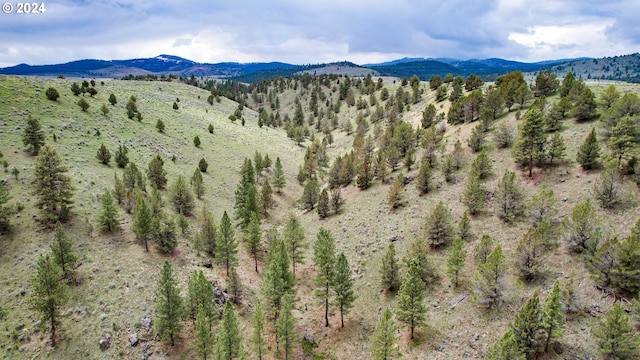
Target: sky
[(311, 32)]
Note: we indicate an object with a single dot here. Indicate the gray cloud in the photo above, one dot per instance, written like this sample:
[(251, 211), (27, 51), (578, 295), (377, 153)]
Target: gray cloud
[(319, 31)]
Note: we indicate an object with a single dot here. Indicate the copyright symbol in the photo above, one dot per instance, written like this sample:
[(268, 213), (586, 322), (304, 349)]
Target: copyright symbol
[(7, 8)]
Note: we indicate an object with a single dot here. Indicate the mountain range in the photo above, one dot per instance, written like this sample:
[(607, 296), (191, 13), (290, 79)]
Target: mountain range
[(489, 69)]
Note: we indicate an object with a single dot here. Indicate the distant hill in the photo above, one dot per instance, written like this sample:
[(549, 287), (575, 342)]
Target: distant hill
[(624, 68)]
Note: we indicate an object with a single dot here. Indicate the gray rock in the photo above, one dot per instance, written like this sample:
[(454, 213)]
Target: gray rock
[(206, 262), (133, 339), (105, 342), (146, 322)]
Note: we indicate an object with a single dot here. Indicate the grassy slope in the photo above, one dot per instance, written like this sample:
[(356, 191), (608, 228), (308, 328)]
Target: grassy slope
[(362, 230)]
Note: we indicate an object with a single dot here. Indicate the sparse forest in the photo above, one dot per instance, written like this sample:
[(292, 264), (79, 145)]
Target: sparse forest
[(320, 217)]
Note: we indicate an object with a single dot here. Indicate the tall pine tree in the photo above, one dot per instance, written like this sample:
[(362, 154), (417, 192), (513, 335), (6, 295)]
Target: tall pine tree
[(324, 258), (226, 244), (295, 241), (285, 327), (229, 338), (343, 287), (168, 304), (383, 340), (530, 145), (589, 151), (49, 293), (51, 186), (410, 308)]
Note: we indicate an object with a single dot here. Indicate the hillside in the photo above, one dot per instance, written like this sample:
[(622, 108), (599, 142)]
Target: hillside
[(113, 286)]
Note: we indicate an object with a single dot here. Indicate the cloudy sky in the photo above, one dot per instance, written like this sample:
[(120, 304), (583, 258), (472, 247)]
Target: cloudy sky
[(314, 31)]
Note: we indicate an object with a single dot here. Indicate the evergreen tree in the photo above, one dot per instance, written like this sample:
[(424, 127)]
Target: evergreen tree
[(624, 274), (206, 238), (556, 148), (285, 327), (112, 99), (168, 304), (49, 292), (532, 140), (439, 229), (121, 156), (503, 136), (390, 269), (197, 183), (252, 239), (343, 287), (229, 338), (104, 155), (476, 139), (623, 137), (383, 340), (203, 337), (294, 241), (234, 285), (615, 336), (464, 228), (279, 180), (200, 297), (582, 230), (395, 196), (142, 224), (257, 339), (419, 253), (310, 194), (119, 190), (365, 173), (226, 245), (61, 250), (474, 194), (410, 308), (203, 165), (585, 107), (483, 249), (490, 280), (196, 141), (527, 327), (608, 188), (51, 186), (456, 260), (324, 259), (509, 197), (542, 206), (481, 166), (133, 178), (528, 257), (33, 136), (108, 216), (181, 197), (266, 197), (5, 211), (506, 348), (165, 234), (589, 151), (323, 204), (156, 173), (277, 279), (551, 316), (336, 200), (424, 180)]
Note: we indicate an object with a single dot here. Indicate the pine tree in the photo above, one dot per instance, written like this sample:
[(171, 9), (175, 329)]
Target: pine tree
[(509, 197), (542, 206), (481, 166), (61, 251), (608, 188), (482, 250), (424, 180), (285, 327), (624, 274), (168, 304), (465, 231), (252, 239), (51, 186), (390, 270), (323, 204), (585, 107), (197, 183), (456, 260), (310, 194), (477, 138), (506, 348), (589, 151), (615, 336), (103, 155), (343, 287), (229, 338), (279, 180), (33, 136), (410, 308), (108, 216), (119, 190), (395, 196), (474, 194), (199, 297), (121, 156), (257, 339), (439, 228), (206, 237), (142, 224), (294, 241), (556, 148), (383, 340), (532, 140), (266, 197), (490, 280), (203, 165), (203, 337), (5, 211), (234, 285), (156, 173), (365, 173), (324, 258), (336, 200), (165, 234), (112, 99), (419, 253), (582, 230), (181, 197), (527, 327), (503, 136), (226, 244), (247, 181), (49, 292), (277, 279), (551, 316)]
